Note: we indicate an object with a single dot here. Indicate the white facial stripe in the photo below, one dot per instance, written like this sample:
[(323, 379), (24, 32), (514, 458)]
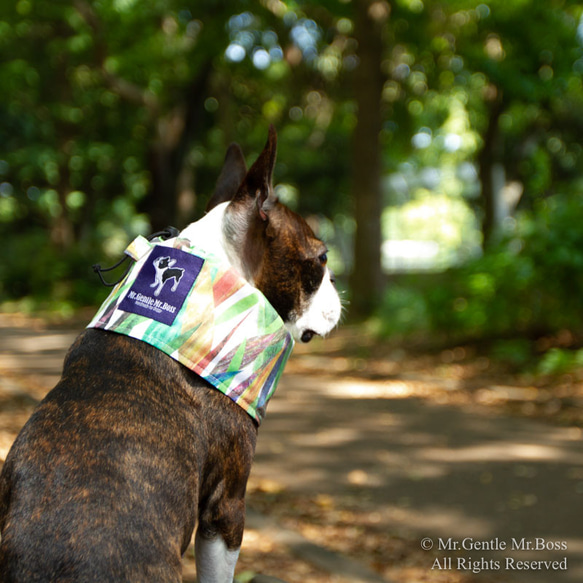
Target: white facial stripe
[(322, 312), (215, 563)]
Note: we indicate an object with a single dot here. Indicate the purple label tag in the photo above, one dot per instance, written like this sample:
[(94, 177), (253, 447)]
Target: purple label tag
[(162, 284)]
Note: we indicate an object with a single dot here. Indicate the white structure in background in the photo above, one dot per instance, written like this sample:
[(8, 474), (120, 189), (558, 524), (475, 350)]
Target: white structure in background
[(507, 197), (410, 255)]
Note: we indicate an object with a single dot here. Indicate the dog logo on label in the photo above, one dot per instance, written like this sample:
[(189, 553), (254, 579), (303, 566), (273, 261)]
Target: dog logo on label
[(150, 294), (165, 270)]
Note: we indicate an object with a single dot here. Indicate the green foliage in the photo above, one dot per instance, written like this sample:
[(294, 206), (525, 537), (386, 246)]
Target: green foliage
[(530, 283), (97, 96), (517, 352), (33, 268), (560, 361), (404, 312)]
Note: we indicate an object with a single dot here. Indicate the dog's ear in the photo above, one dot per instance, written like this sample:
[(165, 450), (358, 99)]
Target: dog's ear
[(231, 176), (257, 182)]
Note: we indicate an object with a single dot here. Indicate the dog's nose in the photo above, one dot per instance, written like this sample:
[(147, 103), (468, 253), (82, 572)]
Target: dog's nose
[(332, 277)]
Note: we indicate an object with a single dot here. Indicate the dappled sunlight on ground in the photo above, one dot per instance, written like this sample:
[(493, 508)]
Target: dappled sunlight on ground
[(460, 375), (416, 468)]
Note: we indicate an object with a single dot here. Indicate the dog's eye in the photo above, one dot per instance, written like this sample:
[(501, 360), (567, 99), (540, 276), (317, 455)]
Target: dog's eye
[(323, 258)]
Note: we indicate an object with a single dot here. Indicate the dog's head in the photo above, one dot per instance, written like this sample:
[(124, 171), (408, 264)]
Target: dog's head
[(273, 247), (162, 262)]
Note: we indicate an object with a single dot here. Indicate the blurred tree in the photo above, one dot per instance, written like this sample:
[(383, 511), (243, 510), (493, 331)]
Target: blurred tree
[(518, 66), (530, 56), (367, 278)]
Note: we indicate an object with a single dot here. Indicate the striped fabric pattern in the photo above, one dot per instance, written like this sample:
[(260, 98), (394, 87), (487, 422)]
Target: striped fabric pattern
[(226, 331)]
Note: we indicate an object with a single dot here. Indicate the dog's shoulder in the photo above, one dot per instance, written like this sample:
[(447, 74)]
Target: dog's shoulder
[(105, 366)]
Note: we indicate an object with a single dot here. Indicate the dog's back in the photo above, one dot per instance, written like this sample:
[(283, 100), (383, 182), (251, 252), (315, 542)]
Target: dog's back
[(112, 511)]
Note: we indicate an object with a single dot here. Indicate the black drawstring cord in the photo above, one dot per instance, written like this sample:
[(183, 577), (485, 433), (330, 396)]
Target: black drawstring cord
[(167, 233), (99, 270)]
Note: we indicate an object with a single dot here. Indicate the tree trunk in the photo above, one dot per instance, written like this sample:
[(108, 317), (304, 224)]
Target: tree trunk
[(487, 160), (367, 280), (167, 154), (62, 228)]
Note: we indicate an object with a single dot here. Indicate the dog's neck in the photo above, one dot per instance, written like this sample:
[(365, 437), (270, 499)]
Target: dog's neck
[(209, 234)]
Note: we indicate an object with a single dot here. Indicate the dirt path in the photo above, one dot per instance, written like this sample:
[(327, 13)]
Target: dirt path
[(365, 469)]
